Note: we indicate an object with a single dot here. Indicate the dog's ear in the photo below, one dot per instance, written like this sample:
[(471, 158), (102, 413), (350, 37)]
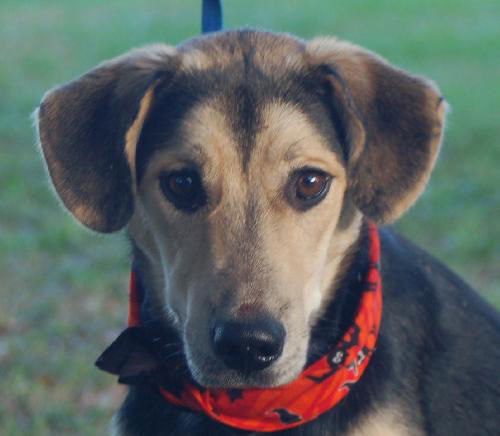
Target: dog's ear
[(88, 130), (391, 123)]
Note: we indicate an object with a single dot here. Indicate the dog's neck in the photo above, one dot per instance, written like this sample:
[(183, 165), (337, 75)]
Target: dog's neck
[(346, 291)]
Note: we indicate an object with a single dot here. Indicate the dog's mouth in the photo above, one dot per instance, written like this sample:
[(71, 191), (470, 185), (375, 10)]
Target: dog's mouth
[(212, 373)]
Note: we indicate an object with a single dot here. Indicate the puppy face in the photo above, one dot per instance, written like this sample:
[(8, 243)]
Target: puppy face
[(242, 164)]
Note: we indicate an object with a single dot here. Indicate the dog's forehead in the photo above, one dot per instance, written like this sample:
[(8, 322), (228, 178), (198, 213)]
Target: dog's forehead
[(240, 75)]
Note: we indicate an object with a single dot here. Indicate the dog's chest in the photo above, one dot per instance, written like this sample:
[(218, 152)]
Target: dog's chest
[(385, 422)]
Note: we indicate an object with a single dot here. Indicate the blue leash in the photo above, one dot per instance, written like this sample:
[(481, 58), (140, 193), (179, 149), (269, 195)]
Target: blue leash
[(211, 16)]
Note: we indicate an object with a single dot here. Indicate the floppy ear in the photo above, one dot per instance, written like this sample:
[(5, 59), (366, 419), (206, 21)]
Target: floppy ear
[(88, 132), (391, 123)]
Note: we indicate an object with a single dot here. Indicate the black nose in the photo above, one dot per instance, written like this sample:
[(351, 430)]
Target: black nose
[(248, 346)]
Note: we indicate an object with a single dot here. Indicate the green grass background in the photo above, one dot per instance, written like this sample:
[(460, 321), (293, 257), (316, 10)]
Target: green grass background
[(63, 289)]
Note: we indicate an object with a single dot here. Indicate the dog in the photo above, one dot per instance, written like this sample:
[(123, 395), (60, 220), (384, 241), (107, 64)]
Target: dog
[(254, 173)]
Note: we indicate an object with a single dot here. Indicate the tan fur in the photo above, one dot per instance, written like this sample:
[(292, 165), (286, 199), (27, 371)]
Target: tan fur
[(84, 212), (385, 422), (282, 54), (115, 429), (290, 137), (198, 60), (132, 135)]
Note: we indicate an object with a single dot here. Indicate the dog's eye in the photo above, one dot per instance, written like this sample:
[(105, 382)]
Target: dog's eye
[(311, 184), (183, 189), (309, 187)]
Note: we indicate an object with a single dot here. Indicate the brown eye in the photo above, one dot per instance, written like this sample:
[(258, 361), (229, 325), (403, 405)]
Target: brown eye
[(311, 184), (183, 189), (308, 187)]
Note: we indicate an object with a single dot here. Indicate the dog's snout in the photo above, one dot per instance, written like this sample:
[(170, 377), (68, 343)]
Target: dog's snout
[(248, 346)]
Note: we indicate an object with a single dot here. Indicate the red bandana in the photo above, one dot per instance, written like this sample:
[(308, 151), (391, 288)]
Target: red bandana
[(318, 389)]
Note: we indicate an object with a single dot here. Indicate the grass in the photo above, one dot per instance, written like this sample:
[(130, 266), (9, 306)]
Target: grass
[(63, 289)]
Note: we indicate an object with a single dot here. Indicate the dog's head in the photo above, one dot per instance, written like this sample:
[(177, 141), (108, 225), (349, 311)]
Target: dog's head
[(242, 164)]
